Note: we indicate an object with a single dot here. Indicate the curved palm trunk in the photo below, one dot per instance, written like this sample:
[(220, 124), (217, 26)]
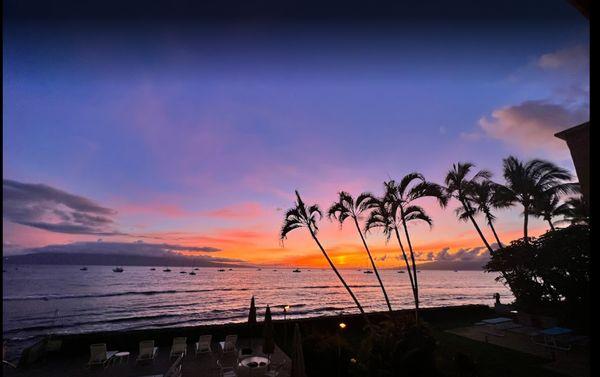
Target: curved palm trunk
[(362, 311), (468, 209), (414, 265), (491, 224), (387, 300), (551, 225), (525, 222), (410, 275)]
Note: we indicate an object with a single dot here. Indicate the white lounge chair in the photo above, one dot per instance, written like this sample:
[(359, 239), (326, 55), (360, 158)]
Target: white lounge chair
[(179, 347), (203, 345), (176, 369), (226, 371), (275, 369), (230, 344), (147, 351), (99, 355)]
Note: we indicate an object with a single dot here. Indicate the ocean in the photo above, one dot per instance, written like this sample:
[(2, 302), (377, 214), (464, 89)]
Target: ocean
[(44, 299)]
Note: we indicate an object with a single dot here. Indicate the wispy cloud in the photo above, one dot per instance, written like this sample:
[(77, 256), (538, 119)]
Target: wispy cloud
[(45, 207)]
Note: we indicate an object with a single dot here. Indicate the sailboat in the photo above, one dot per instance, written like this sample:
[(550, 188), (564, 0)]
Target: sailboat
[(296, 270), (117, 269)]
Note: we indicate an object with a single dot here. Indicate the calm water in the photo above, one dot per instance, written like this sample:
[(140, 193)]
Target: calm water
[(62, 299)]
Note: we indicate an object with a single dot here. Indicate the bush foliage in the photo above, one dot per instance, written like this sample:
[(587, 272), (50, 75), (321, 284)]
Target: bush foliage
[(550, 274)]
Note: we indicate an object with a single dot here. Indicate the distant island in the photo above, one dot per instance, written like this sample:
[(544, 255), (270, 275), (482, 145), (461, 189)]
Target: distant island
[(92, 259)]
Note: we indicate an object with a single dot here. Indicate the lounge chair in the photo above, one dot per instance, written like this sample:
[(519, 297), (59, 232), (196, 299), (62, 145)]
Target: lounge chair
[(176, 369), (203, 344), (556, 338), (179, 347), (99, 355), (230, 344), (226, 371), (275, 369), (147, 351)]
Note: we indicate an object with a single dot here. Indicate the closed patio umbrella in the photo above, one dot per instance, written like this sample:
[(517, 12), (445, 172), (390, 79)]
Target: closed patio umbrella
[(251, 325), (268, 341), (252, 313), (297, 355)]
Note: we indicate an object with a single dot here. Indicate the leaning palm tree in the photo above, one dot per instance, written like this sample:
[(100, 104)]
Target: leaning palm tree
[(301, 216), (484, 196), (412, 187), (459, 186), (384, 216), (529, 180), (346, 207)]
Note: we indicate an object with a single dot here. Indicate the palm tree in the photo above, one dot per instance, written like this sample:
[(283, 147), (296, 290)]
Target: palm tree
[(384, 216), (459, 186), (529, 180), (484, 196), (575, 211), (300, 216), (549, 206), (347, 207), (411, 187)]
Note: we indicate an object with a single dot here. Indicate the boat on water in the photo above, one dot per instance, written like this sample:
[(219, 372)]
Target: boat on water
[(231, 269), (118, 269), (221, 270), (83, 269), (258, 269), (153, 269), (182, 272), (296, 270), (167, 270), (196, 269), (401, 272), (418, 270), (192, 273), (367, 272)]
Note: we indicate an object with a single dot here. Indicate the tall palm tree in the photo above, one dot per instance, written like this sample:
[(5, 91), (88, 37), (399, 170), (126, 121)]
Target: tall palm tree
[(529, 180), (484, 196), (459, 186), (412, 187), (384, 216), (346, 207), (301, 216)]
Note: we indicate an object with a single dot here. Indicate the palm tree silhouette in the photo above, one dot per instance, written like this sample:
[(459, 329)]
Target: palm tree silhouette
[(527, 181), (346, 207), (549, 206), (575, 211), (384, 216), (483, 196), (412, 187), (300, 216), (459, 187)]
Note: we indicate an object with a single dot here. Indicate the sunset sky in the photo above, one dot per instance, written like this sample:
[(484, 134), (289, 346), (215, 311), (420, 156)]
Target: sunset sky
[(195, 135)]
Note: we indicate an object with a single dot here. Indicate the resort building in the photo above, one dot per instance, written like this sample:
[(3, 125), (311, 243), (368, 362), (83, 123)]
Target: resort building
[(578, 140)]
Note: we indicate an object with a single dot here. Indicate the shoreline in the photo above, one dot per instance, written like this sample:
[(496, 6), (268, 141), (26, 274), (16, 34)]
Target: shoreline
[(78, 344)]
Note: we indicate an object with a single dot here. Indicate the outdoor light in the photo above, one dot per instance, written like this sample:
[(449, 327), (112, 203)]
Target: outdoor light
[(286, 307), (342, 325), (353, 360)]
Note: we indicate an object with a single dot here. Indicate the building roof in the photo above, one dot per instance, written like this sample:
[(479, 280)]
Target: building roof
[(583, 127)]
